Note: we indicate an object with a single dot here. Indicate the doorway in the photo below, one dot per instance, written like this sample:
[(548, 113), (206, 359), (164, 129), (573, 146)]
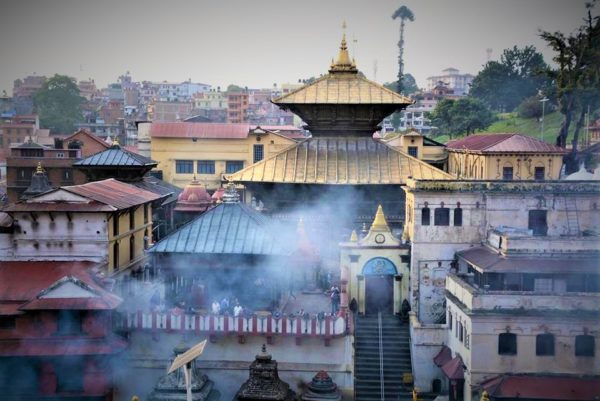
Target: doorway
[(379, 293)]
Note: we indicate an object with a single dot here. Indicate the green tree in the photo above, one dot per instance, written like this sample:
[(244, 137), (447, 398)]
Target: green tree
[(577, 77), (462, 116), (234, 88), (58, 104), (404, 14), (408, 83), (504, 84)]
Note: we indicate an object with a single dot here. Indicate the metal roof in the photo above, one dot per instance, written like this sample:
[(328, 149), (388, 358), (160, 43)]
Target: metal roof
[(114, 193), (199, 130), (229, 228), (543, 387), (339, 161), (160, 187), (503, 143), (116, 156)]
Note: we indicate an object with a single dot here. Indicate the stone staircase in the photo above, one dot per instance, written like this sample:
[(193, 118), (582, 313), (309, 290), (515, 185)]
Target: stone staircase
[(396, 359), (572, 216)]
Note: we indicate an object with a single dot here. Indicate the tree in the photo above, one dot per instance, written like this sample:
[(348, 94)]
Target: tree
[(234, 88), (408, 82), (58, 104), (404, 13), (577, 78), (504, 84), (462, 116)]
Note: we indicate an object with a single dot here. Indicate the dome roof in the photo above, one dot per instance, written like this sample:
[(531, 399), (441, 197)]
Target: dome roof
[(194, 198), (218, 195)]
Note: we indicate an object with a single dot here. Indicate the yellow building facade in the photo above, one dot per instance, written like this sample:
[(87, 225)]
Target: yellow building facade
[(419, 146), (504, 157), (210, 151), (129, 234)]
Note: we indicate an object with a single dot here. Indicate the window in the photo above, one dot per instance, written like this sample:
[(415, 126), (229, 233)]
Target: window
[(116, 256), (425, 216), (507, 344), (131, 219), (233, 166), (132, 247), (544, 345), (450, 321), (184, 166), (538, 222), (60, 155), (146, 213), (259, 153), (115, 224), (461, 331), (66, 175), (413, 151), (458, 216), (442, 216), (7, 322), (206, 166), (68, 322), (540, 173), (584, 345), (507, 173)]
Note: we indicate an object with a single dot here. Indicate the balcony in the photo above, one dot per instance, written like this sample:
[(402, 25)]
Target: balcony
[(481, 300)]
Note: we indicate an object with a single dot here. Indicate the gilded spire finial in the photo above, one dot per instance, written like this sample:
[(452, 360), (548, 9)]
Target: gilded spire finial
[(485, 396), (115, 142), (354, 236), (380, 223), (39, 169), (343, 63)]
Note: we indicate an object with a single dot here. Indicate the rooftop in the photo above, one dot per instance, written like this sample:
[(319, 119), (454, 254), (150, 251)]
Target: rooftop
[(503, 143), (115, 156), (338, 161)]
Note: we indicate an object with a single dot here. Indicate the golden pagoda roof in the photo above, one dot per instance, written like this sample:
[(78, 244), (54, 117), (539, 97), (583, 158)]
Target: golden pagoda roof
[(343, 85), (338, 161)]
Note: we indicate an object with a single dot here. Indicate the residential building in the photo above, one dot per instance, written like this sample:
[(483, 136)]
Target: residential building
[(237, 107), (451, 77), (170, 111), (108, 222), (24, 91), (507, 156), (87, 143), (88, 89), (415, 115), (22, 128), (209, 151), (420, 146), (447, 219), (56, 337)]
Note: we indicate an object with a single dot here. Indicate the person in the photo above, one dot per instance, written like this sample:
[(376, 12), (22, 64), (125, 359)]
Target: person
[(353, 305), (405, 309), (224, 305), (335, 299), (155, 300), (237, 310)]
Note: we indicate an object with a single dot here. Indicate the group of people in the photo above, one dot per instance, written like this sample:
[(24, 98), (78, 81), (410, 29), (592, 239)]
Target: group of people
[(227, 305)]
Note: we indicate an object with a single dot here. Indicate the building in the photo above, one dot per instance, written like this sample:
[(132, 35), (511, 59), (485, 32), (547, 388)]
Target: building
[(524, 309), (57, 163), (108, 222), (88, 90), (209, 151), (509, 156), (447, 219), (88, 143), (415, 115), (237, 107), (170, 111), (24, 91), (420, 146), (56, 339), (22, 128), (451, 77)]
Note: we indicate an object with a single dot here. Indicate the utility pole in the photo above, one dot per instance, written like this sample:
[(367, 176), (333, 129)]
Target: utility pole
[(544, 100)]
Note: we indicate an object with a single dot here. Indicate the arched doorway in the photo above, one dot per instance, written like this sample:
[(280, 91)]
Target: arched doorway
[(379, 276)]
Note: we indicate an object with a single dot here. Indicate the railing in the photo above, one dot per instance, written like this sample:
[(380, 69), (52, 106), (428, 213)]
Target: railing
[(381, 378), (256, 324)]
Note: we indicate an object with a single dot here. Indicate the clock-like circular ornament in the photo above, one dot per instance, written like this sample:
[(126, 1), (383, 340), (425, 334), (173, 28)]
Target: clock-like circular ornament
[(380, 238)]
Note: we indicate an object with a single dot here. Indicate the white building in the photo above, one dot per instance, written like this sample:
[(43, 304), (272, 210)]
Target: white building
[(459, 83)]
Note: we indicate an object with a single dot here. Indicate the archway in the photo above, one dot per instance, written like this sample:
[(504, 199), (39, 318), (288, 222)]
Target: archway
[(379, 276)]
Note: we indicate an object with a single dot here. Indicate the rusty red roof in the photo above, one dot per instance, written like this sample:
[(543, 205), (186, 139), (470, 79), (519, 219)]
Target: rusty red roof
[(89, 135), (543, 387), (454, 369), (199, 130), (503, 143), (114, 193), (443, 356), (61, 346), (59, 207)]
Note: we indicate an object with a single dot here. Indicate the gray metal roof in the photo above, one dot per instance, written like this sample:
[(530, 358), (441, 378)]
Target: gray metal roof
[(158, 186), (116, 156), (229, 228)]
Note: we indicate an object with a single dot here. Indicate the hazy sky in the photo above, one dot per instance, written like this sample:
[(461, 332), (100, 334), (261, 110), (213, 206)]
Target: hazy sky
[(256, 43)]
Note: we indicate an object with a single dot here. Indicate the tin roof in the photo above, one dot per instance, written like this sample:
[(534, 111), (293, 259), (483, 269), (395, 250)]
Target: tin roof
[(339, 161), (116, 156), (114, 193), (454, 368), (199, 130), (487, 260), (160, 187), (543, 387), (503, 143), (228, 228)]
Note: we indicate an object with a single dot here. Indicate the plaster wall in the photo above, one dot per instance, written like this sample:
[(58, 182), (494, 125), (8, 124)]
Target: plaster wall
[(426, 342)]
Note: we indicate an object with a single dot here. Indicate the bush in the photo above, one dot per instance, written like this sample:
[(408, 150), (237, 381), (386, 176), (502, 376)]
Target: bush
[(532, 108)]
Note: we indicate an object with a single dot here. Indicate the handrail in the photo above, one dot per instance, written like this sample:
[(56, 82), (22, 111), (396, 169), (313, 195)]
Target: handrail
[(381, 380)]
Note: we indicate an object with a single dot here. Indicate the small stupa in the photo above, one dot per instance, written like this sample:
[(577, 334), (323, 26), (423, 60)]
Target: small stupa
[(172, 386), (321, 388), (264, 382)]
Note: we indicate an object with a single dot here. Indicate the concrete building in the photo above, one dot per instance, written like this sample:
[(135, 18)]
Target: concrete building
[(237, 107), (420, 146), (451, 77), (209, 151), (107, 222), (170, 111), (447, 218), (508, 156), (23, 92)]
